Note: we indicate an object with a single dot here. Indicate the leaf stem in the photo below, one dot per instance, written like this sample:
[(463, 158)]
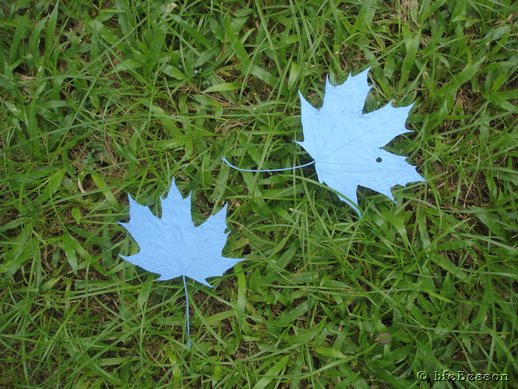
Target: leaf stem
[(187, 313), (266, 170)]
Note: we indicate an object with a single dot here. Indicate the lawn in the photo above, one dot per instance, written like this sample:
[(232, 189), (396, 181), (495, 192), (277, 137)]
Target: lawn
[(101, 99)]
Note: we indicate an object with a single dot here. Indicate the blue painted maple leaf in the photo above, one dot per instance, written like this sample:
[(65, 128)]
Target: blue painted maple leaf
[(347, 144), (172, 246)]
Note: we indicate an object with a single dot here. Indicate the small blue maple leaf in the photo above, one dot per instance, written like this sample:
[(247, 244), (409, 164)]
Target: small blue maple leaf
[(172, 246), (346, 144)]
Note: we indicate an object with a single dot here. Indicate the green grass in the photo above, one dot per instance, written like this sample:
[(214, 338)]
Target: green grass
[(103, 98)]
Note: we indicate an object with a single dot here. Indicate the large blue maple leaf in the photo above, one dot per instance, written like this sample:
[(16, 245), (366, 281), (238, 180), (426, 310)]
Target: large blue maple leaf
[(347, 144)]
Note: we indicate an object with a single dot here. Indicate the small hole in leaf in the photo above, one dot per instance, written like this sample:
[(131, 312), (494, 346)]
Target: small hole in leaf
[(378, 159)]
